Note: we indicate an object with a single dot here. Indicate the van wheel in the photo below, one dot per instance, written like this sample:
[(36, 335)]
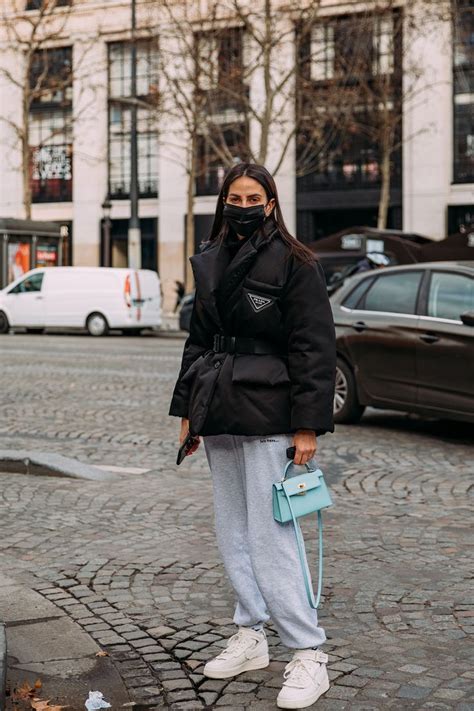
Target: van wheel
[(97, 325), (4, 325), (347, 408), (35, 330)]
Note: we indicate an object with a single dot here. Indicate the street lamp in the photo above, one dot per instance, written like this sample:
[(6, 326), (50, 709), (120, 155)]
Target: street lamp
[(134, 235), (106, 209)]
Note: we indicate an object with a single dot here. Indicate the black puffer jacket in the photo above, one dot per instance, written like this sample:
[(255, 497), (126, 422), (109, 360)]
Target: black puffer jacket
[(263, 293)]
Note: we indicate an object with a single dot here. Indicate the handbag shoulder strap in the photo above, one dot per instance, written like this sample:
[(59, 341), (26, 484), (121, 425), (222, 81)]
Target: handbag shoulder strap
[(304, 564)]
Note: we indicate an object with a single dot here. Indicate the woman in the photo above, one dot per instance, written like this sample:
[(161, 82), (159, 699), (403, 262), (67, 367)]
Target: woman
[(257, 377)]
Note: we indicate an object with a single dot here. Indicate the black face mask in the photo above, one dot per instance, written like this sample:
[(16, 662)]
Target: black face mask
[(244, 220)]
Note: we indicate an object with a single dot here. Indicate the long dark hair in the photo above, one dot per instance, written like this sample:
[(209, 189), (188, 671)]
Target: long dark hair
[(259, 173)]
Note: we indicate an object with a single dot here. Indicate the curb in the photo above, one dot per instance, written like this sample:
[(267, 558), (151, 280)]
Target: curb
[(171, 333), (3, 666), (23, 461)]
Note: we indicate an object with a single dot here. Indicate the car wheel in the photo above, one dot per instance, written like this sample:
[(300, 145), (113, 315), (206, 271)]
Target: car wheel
[(35, 330), (97, 325), (347, 408), (4, 325)]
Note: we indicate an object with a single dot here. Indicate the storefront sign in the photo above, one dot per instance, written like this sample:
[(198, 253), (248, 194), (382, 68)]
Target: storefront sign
[(52, 163), (46, 255), (374, 245), (351, 241)]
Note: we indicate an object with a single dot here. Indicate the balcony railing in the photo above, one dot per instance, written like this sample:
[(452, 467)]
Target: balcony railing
[(120, 189), (38, 4), (347, 176), (464, 170), (55, 190)]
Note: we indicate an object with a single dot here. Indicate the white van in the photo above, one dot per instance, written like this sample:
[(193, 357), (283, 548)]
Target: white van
[(95, 298)]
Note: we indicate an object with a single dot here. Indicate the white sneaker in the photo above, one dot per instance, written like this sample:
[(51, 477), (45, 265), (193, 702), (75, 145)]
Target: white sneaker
[(306, 679), (247, 649)]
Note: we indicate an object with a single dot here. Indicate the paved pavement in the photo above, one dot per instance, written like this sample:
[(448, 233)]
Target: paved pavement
[(133, 563)]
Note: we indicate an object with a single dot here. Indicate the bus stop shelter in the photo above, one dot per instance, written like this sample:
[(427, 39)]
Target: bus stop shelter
[(26, 244)]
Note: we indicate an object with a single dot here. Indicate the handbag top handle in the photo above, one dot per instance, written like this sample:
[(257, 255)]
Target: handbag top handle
[(308, 468)]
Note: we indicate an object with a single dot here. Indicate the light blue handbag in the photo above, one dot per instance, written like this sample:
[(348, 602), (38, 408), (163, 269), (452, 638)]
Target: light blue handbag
[(297, 496)]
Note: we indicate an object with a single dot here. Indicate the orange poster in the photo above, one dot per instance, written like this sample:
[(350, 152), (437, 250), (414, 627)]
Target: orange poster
[(18, 259)]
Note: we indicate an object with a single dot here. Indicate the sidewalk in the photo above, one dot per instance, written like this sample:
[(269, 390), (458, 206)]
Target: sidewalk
[(44, 643)]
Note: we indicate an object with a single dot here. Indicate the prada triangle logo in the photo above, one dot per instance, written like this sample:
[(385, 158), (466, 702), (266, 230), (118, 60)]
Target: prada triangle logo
[(259, 302)]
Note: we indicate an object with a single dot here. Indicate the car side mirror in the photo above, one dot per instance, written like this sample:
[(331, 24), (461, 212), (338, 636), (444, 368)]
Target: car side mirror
[(467, 318)]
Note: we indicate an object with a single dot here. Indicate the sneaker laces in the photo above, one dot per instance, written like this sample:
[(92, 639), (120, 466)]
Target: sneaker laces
[(297, 672), (238, 641)]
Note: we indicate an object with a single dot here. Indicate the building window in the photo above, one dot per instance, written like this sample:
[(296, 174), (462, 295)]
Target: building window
[(383, 41), (347, 158), (211, 165), (224, 97), (119, 152), (352, 45), (219, 72), (50, 125), (207, 64), (39, 4), (322, 52), (348, 71), (51, 156), (464, 93), (120, 118)]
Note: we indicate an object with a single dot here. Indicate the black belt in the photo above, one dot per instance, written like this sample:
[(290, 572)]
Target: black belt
[(237, 344)]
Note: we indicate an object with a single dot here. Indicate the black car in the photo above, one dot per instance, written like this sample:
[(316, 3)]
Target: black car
[(185, 311), (405, 341)]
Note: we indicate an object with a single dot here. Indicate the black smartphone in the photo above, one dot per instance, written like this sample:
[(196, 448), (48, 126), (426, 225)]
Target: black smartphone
[(185, 447), (291, 452)]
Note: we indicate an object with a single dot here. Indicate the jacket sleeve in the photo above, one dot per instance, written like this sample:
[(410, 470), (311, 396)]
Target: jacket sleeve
[(197, 343), (309, 327)]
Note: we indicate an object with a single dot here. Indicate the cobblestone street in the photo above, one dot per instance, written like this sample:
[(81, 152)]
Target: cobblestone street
[(135, 563)]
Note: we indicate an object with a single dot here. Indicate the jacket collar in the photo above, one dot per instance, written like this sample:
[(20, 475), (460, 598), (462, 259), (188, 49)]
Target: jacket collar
[(214, 267)]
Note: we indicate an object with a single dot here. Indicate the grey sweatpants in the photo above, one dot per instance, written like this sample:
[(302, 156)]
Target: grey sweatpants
[(260, 555)]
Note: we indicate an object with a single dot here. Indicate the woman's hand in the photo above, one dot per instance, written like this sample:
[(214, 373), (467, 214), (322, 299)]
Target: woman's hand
[(306, 446), (184, 433)]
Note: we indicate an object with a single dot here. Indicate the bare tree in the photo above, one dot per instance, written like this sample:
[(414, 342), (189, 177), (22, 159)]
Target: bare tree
[(372, 79), (36, 31), (230, 72), (191, 99)]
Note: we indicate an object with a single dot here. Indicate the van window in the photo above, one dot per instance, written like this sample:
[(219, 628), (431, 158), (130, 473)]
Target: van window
[(31, 283)]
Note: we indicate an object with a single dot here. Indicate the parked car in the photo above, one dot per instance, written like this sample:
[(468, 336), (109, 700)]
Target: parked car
[(342, 250), (95, 298), (185, 311), (405, 341)]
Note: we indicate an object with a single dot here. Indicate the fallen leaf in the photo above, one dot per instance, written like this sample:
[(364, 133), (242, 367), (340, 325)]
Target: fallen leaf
[(102, 654), (39, 705), (38, 684), (25, 691)]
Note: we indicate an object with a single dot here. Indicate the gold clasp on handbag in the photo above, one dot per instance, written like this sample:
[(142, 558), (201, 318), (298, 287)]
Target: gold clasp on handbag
[(301, 486)]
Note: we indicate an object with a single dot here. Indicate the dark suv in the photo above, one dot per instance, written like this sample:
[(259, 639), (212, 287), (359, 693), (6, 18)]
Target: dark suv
[(405, 340)]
